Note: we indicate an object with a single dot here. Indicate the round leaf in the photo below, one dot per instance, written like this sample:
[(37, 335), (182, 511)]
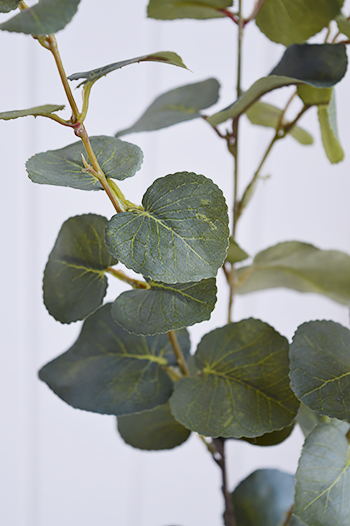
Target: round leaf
[(8, 5), (243, 388), (199, 9), (74, 278), (179, 237)]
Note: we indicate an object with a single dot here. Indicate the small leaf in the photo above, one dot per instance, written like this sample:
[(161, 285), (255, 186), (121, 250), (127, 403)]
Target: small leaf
[(44, 18), (177, 105), (329, 131), (179, 237), (298, 266), (343, 25), (308, 420), (235, 253), (243, 389), (294, 21), (319, 65), (314, 96), (153, 430), (163, 307), (48, 109), (8, 5), (199, 9), (264, 498), (323, 478), (118, 159), (166, 57), (74, 278), (271, 439), (110, 371), (320, 368), (267, 115)]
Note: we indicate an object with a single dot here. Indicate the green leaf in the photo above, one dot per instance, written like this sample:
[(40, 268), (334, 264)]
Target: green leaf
[(153, 430), (314, 96), (8, 5), (329, 131), (74, 278), (243, 388), (199, 9), (44, 18), (110, 371), (267, 115), (308, 420), (179, 237), (320, 368), (298, 266), (271, 439), (118, 159), (294, 21), (38, 111), (319, 65), (163, 307), (235, 253), (323, 478), (177, 105), (343, 25), (166, 57), (264, 498)]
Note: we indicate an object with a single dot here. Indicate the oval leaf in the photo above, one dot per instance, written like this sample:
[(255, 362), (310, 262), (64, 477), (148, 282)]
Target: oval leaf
[(329, 131), (264, 498), (199, 9), (179, 237), (110, 371), (298, 266), (74, 278), (235, 253), (163, 307), (38, 111), (153, 430), (118, 159), (294, 21), (320, 368), (323, 478), (44, 18), (177, 105), (8, 5), (243, 388), (319, 65)]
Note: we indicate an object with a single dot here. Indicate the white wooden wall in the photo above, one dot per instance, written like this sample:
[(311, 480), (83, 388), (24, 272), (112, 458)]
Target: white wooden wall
[(64, 466)]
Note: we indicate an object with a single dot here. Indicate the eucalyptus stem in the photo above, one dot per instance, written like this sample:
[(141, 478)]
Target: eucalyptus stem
[(135, 283), (178, 353), (348, 436), (289, 516), (229, 516)]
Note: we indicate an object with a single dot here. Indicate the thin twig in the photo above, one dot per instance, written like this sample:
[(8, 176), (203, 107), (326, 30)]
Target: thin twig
[(135, 283), (178, 353), (229, 516)]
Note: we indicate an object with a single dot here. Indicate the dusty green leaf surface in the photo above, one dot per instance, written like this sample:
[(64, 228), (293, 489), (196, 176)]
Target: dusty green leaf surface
[(320, 368), (199, 9), (44, 18), (74, 278), (111, 371), (294, 21), (153, 430), (314, 96), (271, 439), (181, 235), (235, 253), (177, 105), (165, 307), (243, 387), (298, 266), (327, 116), (308, 420), (264, 498), (319, 65), (323, 479), (343, 25), (47, 109), (118, 159), (8, 5), (166, 57)]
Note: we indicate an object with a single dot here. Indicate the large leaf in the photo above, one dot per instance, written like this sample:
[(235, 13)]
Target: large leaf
[(8, 5), (164, 307), (166, 57), (320, 368), (179, 237), (301, 267), (110, 371), (177, 105), (74, 278), (329, 130), (152, 430), (44, 18), (42, 111), (291, 21), (267, 115), (319, 65), (323, 478), (264, 498), (118, 159), (200, 9), (243, 386)]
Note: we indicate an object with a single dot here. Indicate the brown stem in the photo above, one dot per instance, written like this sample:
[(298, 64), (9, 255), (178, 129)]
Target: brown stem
[(348, 436), (289, 516), (178, 353), (230, 15), (135, 283), (255, 12), (229, 516)]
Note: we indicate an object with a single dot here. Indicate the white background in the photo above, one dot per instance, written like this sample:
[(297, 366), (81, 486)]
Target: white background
[(64, 466)]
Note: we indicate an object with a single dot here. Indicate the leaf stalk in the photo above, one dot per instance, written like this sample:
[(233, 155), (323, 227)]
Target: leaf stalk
[(178, 353)]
